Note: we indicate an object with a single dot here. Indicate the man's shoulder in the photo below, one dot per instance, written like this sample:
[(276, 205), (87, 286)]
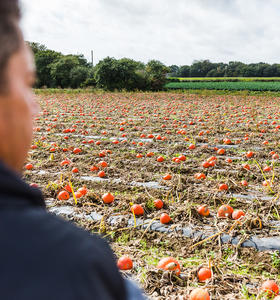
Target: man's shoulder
[(57, 251), (53, 231), (68, 230), (83, 244)]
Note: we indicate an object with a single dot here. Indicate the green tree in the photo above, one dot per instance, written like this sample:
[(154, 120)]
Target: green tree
[(212, 73), (234, 69), (201, 68), (277, 70), (44, 60), (106, 73), (156, 72), (90, 81), (55, 69), (78, 76), (184, 71), (174, 71), (36, 47), (62, 68), (125, 73), (217, 70), (130, 74), (83, 61)]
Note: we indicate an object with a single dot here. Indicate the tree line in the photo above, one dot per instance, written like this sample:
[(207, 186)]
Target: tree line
[(205, 68), (73, 71)]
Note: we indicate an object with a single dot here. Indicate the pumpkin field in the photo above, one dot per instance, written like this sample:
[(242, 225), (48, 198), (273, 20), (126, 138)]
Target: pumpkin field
[(184, 187)]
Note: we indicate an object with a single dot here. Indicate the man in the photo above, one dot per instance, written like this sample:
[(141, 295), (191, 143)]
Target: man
[(42, 257)]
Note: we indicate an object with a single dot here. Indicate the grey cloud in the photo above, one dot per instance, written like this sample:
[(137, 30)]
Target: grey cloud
[(173, 32)]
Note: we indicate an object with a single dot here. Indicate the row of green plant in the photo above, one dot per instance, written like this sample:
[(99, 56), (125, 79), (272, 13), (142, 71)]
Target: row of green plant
[(219, 79), (232, 86)]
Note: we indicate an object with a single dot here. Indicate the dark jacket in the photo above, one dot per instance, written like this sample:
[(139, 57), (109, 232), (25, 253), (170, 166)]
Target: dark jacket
[(43, 257)]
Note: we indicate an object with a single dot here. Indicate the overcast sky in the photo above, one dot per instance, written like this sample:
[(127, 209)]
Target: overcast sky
[(174, 32)]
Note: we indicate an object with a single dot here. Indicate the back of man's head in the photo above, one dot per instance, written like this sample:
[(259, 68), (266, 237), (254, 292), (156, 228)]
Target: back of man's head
[(10, 36), (17, 75)]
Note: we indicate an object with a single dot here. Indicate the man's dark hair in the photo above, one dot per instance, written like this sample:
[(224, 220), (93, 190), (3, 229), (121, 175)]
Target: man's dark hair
[(10, 37)]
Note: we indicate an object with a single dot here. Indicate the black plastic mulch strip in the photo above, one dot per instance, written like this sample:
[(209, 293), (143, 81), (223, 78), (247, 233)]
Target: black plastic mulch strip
[(259, 243)]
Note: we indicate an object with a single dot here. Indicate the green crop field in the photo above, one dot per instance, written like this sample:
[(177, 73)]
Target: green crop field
[(242, 79), (232, 86)]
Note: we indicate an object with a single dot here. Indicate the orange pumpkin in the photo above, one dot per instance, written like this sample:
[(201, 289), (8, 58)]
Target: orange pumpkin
[(204, 274), (63, 195), (108, 198), (199, 294), (125, 263), (270, 287), (137, 209), (169, 264), (225, 211), (203, 210), (167, 177)]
